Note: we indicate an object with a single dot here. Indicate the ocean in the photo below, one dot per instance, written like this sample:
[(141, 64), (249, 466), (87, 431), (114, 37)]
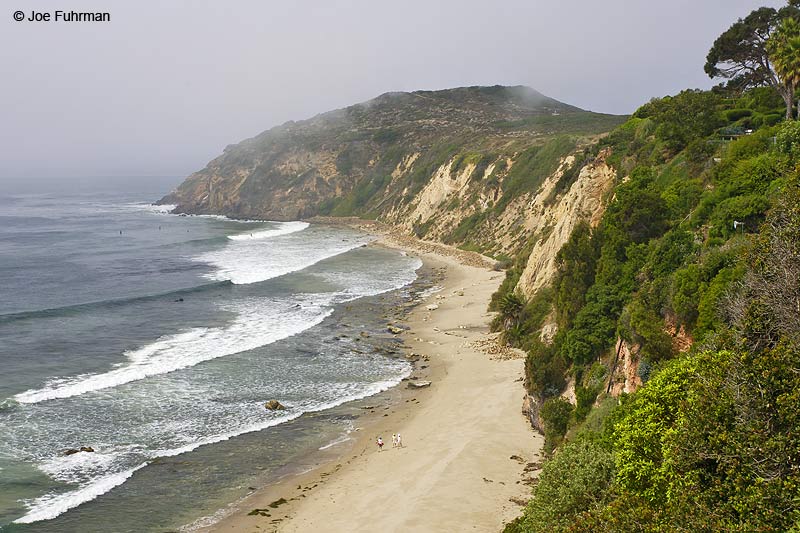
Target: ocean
[(156, 339)]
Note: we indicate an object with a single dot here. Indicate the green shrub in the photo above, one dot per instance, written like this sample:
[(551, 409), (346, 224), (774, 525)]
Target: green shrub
[(576, 262), (575, 480), (735, 114), (640, 325), (685, 294), (545, 369), (555, 413), (586, 392), (787, 138), (639, 435)]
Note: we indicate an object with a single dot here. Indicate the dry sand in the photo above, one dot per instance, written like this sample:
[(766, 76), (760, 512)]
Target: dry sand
[(455, 471)]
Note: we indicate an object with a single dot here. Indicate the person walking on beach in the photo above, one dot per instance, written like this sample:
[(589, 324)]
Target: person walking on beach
[(394, 440), (380, 443), (399, 441)]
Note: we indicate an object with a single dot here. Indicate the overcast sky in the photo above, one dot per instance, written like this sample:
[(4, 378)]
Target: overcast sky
[(166, 85)]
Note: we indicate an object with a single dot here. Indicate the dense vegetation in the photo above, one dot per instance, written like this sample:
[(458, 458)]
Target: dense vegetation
[(700, 246)]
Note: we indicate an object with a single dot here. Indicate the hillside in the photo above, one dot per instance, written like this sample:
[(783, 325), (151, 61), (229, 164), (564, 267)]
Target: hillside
[(435, 161), (663, 354)]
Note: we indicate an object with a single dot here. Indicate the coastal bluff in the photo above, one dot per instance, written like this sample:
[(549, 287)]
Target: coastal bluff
[(482, 168)]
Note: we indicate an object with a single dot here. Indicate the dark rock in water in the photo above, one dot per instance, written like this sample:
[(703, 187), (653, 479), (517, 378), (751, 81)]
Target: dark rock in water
[(418, 384), (274, 405), (394, 330), (73, 451), (179, 300)]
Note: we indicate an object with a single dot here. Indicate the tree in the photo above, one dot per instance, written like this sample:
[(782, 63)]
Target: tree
[(740, 53), (576, 262), (784, 52), (682, 118)]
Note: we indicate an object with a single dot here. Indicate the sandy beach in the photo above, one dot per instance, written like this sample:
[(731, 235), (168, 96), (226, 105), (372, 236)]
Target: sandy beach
[(466, 442)]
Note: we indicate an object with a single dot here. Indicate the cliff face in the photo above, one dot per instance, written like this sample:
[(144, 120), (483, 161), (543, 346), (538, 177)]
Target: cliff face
[(484, 168), (584, 201)]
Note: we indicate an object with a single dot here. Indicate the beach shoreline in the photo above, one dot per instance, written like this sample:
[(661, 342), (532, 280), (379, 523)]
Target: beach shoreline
[(464, 435)]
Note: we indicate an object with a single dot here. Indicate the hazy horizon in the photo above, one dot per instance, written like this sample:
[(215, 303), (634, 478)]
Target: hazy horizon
[(159, 91)]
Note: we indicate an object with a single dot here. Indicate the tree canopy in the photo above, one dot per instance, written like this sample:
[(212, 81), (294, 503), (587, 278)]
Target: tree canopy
[(741, 53)]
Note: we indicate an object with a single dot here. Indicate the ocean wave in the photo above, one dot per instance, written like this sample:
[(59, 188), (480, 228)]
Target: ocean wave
[(251, 328), (257, 323), (102, 207), (169, 209), (160, 208), (284, 228), (221, 217), (254, 261), (51, 505)]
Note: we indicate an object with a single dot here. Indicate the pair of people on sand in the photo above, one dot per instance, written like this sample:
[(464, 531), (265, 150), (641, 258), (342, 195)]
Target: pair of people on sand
[(397, 442)]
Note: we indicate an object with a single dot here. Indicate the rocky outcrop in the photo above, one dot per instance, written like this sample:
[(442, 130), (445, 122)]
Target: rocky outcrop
[(531, 405), (73, 451), (625, 377), (274, 405)]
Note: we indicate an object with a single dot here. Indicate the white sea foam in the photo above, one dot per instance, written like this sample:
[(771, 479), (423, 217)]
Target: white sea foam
[(74, 468), (340, 440), (254, 261), (284, 228), (160, 209), (207, 521), (256, 324), (223, 217), (163, 209), (359, 283), (50, 506)]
